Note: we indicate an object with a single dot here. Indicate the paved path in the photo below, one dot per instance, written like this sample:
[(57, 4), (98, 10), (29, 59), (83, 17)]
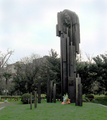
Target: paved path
[(2, 108), (102, 105), (3, 105), (1, 102), (99, 104)]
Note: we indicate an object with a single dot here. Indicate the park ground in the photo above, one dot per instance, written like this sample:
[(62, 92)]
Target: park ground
[(54, 111)]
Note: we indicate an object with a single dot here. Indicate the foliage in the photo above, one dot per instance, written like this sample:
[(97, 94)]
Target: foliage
[(87, 76), (11, 90), (26, 78), (10, 98), (101, 63), (93, 74), (106, 93), (26, 98), (100, 100), (19, 81), (89, 96), (4, 57), (85, 99), (53, 64), (7, 76)]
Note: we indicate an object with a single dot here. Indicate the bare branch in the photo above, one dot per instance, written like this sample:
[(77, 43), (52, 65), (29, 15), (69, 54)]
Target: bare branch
[(89, 57)]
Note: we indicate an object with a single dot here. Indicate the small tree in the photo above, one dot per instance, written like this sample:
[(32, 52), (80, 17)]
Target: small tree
[(27, 74), (4, 57), (7, 77), (53, 63), (101, 63)]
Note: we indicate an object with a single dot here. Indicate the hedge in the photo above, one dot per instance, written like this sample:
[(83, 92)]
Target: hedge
[(16, 98), (10, 98)]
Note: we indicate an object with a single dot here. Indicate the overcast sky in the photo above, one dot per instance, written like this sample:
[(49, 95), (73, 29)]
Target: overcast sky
[(29, 26)]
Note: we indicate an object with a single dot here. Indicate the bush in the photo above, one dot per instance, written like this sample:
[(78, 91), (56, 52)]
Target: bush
[(106, 93), (89, 96), (85, 99), (43, 96), (26, 98), (10, 98)]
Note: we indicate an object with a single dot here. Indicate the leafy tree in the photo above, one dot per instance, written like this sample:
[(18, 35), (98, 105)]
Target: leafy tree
[(87, 72), (26, 78), (4, 57), (19, 81), (53, 63), (101, 63), (7, 77), (82, 70), (93, 73)]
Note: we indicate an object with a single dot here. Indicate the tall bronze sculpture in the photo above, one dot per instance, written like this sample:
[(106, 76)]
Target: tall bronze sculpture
[(69, 32)]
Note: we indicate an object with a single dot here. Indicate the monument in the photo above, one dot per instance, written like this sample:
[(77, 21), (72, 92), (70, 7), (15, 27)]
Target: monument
[(68, 30)]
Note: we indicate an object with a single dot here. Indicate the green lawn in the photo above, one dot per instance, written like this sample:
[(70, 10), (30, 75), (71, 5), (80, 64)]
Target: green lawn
[(100, 100), (54, 111)]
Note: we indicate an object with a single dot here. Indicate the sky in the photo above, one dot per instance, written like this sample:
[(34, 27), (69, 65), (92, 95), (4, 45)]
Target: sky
[(29, 26)]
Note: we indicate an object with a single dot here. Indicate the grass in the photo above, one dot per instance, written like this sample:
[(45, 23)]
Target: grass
[(100, 100), (54, 111)]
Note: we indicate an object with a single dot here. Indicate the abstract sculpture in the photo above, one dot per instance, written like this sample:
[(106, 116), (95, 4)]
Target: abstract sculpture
[(68, 30)]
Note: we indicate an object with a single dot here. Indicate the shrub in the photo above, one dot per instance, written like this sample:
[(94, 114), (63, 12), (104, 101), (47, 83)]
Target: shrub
[(106, 93), (10, 98), (43, 96), (89, 96), (26, 98), (85, 99)]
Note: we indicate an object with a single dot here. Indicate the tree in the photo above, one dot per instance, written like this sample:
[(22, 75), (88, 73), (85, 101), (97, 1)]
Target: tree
[(101, 63), (7, 77), (27, 74), (53, 63), (93, 73), (82, 70), (4, 57), (87, 72)]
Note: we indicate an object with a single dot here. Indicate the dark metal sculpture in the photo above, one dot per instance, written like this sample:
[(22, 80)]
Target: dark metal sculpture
[(68, 30), (48, 86), (54, 93), (39, 91)]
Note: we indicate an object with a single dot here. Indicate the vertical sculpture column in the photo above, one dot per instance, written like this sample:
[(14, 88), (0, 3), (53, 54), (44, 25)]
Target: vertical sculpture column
[(35, 95), (64, 66), (54, 93), (80, 94), (39, 91), (51, 90), (31, 100), (48, 85), (78, 91), (68, 31)]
